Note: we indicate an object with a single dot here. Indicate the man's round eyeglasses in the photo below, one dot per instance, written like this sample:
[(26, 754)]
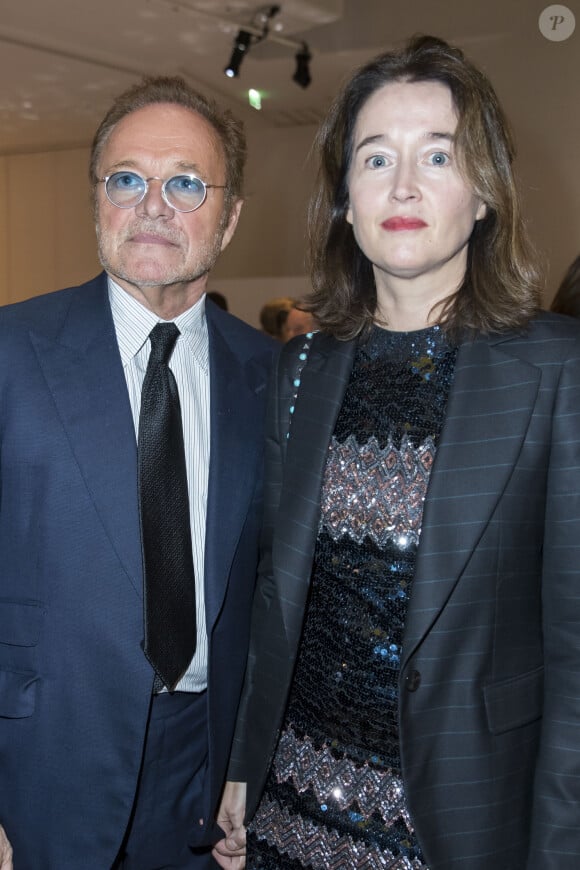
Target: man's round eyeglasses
[(182, 192)]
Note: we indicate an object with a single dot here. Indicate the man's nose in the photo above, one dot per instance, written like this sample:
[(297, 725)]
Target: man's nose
[(153, 204)]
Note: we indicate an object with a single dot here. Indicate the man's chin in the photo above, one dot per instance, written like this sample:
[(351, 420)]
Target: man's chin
[(138, 280)]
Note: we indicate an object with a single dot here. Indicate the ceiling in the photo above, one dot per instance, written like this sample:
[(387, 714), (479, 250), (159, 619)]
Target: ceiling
[(62, 61)]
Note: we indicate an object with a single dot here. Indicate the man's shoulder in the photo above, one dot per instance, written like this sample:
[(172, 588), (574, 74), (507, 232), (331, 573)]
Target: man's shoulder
[(40, 311), (239, 334)]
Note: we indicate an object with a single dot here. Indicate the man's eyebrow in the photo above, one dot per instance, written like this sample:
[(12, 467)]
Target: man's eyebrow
[(187, 166), (128, 164), (181, 166)]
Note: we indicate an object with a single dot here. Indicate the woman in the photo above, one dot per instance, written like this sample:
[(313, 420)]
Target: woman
[(412, 697)]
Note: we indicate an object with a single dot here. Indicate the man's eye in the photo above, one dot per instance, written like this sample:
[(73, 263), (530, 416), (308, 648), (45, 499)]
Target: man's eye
[(126, 180), (185, 184)]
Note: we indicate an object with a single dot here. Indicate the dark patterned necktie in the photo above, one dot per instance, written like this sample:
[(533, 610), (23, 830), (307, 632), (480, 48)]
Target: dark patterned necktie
[(169, 584)]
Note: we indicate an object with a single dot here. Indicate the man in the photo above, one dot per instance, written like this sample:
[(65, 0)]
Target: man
[(130, 501)]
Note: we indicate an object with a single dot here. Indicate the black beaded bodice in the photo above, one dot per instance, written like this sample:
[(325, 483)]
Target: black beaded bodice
[(375, 483)]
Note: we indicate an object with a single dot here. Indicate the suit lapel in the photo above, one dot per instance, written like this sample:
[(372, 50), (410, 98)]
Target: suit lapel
[(237, 435), (319, 397), (489, 409), (83, 371)]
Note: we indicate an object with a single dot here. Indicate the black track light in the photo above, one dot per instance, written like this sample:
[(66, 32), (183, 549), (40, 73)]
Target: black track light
[(302, 74), (241, 46)]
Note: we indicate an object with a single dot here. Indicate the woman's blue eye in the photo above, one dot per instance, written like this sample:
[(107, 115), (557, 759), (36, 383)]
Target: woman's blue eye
[(377, 162), (439, 158)]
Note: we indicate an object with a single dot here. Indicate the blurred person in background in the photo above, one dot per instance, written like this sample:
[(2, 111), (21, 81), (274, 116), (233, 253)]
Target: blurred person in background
[(269, 315), (219, 299), (295, 321)]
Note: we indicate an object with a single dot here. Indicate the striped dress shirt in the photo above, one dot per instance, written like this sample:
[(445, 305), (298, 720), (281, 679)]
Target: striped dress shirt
[(190, 366)]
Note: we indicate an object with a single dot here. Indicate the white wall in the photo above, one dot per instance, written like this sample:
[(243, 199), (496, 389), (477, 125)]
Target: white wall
[(47, 239)]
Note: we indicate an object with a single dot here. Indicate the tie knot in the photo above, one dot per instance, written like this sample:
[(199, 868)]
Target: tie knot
[(163, 337)]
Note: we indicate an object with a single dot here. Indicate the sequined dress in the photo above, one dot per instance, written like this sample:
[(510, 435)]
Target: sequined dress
[(334, 796)]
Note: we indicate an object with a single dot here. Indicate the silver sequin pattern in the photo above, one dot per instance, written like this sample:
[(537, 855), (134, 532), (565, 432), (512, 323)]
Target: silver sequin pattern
[(376, 491), (319, 848)]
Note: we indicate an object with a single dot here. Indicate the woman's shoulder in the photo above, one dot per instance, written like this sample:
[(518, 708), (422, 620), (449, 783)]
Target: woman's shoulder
[(302, 347), (548, 338), (546, 326), (555, 324)]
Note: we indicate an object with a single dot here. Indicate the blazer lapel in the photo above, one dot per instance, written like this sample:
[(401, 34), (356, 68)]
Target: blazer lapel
[(237, 436), (83, 370), (323, 382), (489, 409)]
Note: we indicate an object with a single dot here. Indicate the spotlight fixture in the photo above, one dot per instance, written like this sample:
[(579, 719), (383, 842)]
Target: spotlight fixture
[(302, 75), (263, 16), (241, 46), (259, 30)]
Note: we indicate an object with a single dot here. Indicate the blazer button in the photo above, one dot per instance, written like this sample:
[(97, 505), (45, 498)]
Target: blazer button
[(412, 681)]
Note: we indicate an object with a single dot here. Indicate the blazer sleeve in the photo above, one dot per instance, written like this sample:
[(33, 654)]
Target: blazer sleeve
[(555, 828), (268, 657), (305, 397)]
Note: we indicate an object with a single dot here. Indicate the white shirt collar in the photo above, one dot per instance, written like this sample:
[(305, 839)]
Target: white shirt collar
[(133, 323)]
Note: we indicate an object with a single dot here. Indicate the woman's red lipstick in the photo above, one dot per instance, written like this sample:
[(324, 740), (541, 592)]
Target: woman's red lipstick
[(396, 224)]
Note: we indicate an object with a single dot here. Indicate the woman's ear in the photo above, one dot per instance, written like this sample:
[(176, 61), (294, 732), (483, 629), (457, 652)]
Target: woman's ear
[(348, 213)]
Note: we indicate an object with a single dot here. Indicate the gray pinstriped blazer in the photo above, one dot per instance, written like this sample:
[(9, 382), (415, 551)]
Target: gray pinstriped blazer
[(490, 676)]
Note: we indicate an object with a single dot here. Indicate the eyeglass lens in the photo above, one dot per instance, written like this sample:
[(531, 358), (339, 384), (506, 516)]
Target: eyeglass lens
[(182, 192)]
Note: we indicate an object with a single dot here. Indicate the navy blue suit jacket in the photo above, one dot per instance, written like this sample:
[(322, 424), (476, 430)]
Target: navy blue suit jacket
[(75, 686), (490, 673)]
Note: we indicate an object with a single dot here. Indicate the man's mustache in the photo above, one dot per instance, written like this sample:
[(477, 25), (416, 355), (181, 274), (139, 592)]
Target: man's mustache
[(170, 234)]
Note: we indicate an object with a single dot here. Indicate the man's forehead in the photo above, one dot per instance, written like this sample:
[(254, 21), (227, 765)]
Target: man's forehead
[(164, 121), (163, 131)]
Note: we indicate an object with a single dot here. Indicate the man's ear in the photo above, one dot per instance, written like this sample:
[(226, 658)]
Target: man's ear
[(232, 223)]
